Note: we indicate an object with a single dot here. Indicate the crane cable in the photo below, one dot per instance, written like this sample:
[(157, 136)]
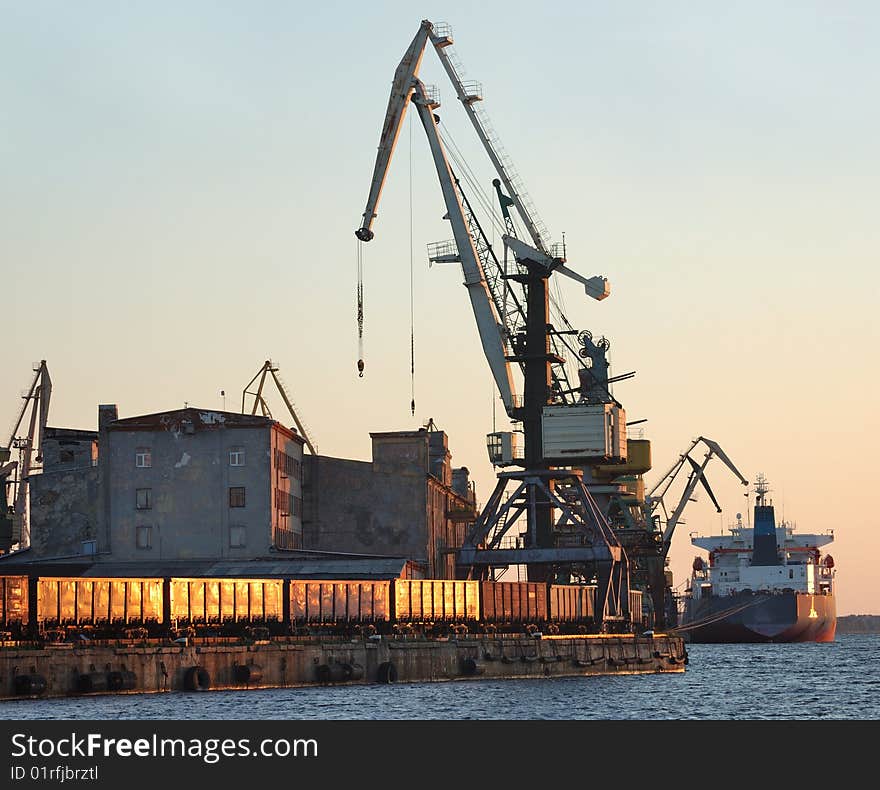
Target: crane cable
[(360, 307), (412, 329)]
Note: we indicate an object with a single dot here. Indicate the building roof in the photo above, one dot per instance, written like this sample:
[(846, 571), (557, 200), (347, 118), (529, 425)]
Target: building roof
[(180, 420), (295, 567), (421, 433), (68, 433)]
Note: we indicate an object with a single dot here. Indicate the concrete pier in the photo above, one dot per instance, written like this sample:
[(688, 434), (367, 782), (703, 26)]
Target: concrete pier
[(211, 664)]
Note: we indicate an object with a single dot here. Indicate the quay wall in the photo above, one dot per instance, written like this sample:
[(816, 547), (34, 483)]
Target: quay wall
[(201, 665)]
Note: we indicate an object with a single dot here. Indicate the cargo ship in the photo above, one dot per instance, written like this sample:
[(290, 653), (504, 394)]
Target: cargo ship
[(762, 583)]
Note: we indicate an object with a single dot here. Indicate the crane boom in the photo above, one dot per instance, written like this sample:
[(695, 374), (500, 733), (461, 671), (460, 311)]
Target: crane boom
[(488, 323), (407, 87), (467, 99), (697, 476), (488, 302), (401, 89)]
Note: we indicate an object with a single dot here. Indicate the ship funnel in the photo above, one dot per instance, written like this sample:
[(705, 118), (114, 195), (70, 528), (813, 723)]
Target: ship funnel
[(764, 549)]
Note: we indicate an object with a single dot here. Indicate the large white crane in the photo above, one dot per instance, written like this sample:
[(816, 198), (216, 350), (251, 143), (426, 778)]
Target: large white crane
[(407, 87), (559, 436)]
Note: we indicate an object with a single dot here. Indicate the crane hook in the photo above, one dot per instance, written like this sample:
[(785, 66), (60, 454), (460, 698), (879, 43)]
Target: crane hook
[(360, 368)]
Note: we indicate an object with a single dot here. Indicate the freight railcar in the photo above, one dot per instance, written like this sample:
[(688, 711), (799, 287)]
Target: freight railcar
[(226, 605), (436, 605), (513, 606), (13, 606), (356, 606), (104, 606), (572, 602), (137, 607)]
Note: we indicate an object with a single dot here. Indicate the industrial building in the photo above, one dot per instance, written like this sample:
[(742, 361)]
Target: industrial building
[(408, 501), (193, 485)]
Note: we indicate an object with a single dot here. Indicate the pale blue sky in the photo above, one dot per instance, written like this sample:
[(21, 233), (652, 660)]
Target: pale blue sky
[(181, 184)]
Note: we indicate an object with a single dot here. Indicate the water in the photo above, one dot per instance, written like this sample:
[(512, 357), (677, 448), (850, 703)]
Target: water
[(835, 681)]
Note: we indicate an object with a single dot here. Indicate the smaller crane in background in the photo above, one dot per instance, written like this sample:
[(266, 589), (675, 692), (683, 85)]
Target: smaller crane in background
[(14, 528), (697, 475), (270, 368)]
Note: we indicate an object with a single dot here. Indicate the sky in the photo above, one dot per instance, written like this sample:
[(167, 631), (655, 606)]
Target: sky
[(181, 184)]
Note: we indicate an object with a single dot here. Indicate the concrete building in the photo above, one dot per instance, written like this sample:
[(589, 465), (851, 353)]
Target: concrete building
[(197, 485), (190, 484), (183, 484), (407, 501), (64, 498)]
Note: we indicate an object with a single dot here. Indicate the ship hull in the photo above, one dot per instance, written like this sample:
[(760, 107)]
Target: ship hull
[(760, 617)]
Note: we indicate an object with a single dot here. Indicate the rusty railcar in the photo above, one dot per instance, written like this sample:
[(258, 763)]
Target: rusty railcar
[(218, 601), (13, 603), (572, 603), (635, 607), (513, 602), (436, 600), (333, 602), (93, 601)]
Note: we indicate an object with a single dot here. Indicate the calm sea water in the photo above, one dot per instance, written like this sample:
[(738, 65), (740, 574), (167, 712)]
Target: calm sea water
[(833, 681)]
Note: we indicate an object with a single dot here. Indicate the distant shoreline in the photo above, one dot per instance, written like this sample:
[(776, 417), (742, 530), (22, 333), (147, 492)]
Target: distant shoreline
[(859, 624)]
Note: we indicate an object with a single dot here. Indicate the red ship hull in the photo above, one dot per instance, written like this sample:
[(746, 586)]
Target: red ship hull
[(761, 617)]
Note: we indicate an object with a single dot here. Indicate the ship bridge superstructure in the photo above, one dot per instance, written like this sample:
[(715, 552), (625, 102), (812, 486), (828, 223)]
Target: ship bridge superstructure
[(797, 562), (741, 539)]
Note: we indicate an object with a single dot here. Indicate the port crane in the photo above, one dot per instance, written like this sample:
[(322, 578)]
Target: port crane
[(14, 527), (664, 521), (511, 308), (697, 476), (269, 368)]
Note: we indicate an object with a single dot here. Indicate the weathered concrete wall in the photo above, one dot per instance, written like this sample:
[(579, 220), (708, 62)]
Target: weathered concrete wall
[(401, 503), (309, 662), (67, 448), (64, 510), (85, 495), (189, 480), (352, 506)]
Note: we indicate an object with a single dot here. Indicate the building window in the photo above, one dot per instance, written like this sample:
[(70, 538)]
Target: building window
[(236, 456), (287, 465), (282, 502), (143, 458), (66, 456), (236, 537), (144, 498), (89, 546), (236, 496), (144, 537)]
